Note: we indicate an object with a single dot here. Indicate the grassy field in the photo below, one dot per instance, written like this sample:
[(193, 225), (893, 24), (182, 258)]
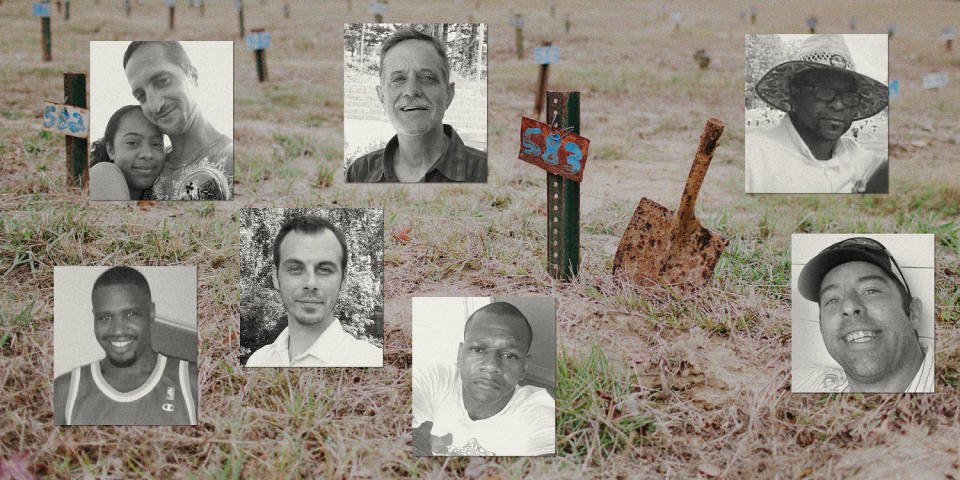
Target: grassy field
[(652, 382)]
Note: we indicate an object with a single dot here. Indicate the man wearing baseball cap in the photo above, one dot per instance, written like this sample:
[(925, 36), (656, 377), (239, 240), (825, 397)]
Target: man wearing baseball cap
[(822, 94), (869, 321)]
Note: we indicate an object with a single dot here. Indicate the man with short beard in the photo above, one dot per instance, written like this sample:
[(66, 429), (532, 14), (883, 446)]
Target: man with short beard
[(309, 268), (869, 321), (134, 384), (164, 80)]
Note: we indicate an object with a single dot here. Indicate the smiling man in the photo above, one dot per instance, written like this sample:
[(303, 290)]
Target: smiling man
[(164, 81), (134, 384), (415, 91), (309, 267), (822, 95), (478, 406), (869, 321)]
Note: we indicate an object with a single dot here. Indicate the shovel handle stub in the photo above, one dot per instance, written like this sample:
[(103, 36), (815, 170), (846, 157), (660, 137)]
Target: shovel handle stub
[(701, 162)]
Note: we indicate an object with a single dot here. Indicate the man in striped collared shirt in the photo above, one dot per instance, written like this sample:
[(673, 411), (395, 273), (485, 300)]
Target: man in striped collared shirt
[(869, 321)]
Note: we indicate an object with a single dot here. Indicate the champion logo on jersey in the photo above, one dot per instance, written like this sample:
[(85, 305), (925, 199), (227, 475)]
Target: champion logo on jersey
[(167, 407)]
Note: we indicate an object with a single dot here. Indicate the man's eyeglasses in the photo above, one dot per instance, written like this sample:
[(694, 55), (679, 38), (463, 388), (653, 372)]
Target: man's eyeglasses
[(827, 94)]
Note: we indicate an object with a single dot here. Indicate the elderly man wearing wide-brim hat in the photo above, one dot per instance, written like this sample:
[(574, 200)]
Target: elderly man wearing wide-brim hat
[(822, 95)]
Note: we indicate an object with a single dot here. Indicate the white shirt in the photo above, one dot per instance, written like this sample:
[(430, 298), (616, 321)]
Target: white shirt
[(333, 348), (525, 426), (777, 160), (822, 378)]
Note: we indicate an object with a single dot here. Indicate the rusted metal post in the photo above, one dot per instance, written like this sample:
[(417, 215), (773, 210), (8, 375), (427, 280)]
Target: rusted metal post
[(563, 195), (75, 93), (541, 86)]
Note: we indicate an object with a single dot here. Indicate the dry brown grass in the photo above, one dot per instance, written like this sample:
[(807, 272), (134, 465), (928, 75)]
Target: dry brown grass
[(688, 384)]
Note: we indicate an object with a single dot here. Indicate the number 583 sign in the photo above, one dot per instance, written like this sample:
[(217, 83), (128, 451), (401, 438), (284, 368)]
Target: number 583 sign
[(554, 150), (66, 119)]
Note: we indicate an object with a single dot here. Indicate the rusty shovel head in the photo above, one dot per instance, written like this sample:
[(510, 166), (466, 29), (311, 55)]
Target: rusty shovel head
[(663, 246)]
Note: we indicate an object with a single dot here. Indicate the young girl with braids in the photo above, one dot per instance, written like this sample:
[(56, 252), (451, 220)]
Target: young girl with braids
[(126, 162)]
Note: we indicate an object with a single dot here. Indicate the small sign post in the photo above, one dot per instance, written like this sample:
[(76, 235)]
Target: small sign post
[(66, 10), (126, 6), (894, 89), (42, 10), (935, 80), (566, 22), (517, 23), (948, 35), (558, 148), (544, 56), (72, 119), (890, 30), (378, 8), (286, 11), (173, 5), (676, 18), (238, 4), (258, 41), (753, 15), (853, 24), (812, 24)]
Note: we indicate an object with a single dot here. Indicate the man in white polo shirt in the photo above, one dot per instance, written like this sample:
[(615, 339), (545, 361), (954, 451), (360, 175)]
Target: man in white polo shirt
[(310, 263)]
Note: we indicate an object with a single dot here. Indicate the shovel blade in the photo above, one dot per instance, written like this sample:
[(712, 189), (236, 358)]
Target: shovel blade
[(647, 254)]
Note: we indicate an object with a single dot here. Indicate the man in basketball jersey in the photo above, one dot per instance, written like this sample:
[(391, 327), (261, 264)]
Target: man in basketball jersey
[(134, 384)]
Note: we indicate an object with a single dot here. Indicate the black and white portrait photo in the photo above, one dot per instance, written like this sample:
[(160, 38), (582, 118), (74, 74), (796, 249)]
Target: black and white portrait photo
[(161, 120), (863, 313), (816, 114), (125, 346), (311, 284), (484, 376), (415, 102)]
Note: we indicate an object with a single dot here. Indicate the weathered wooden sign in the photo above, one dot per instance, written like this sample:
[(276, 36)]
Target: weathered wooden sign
[(546, 55), (41, 10), (557, 151), (935, 80), (66, 119), (258, 40)]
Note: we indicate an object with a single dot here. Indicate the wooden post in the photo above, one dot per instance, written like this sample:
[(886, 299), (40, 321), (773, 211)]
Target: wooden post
[(566, 23), (541, 86), (949, 44), (563, 196), (75, 93), (66, 11), (171, 16), (47, 43), (518, 28), (261, 57), (239, 5)]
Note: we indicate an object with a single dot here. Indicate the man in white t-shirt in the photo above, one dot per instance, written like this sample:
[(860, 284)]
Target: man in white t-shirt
[(477, 408), (310, 264)]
